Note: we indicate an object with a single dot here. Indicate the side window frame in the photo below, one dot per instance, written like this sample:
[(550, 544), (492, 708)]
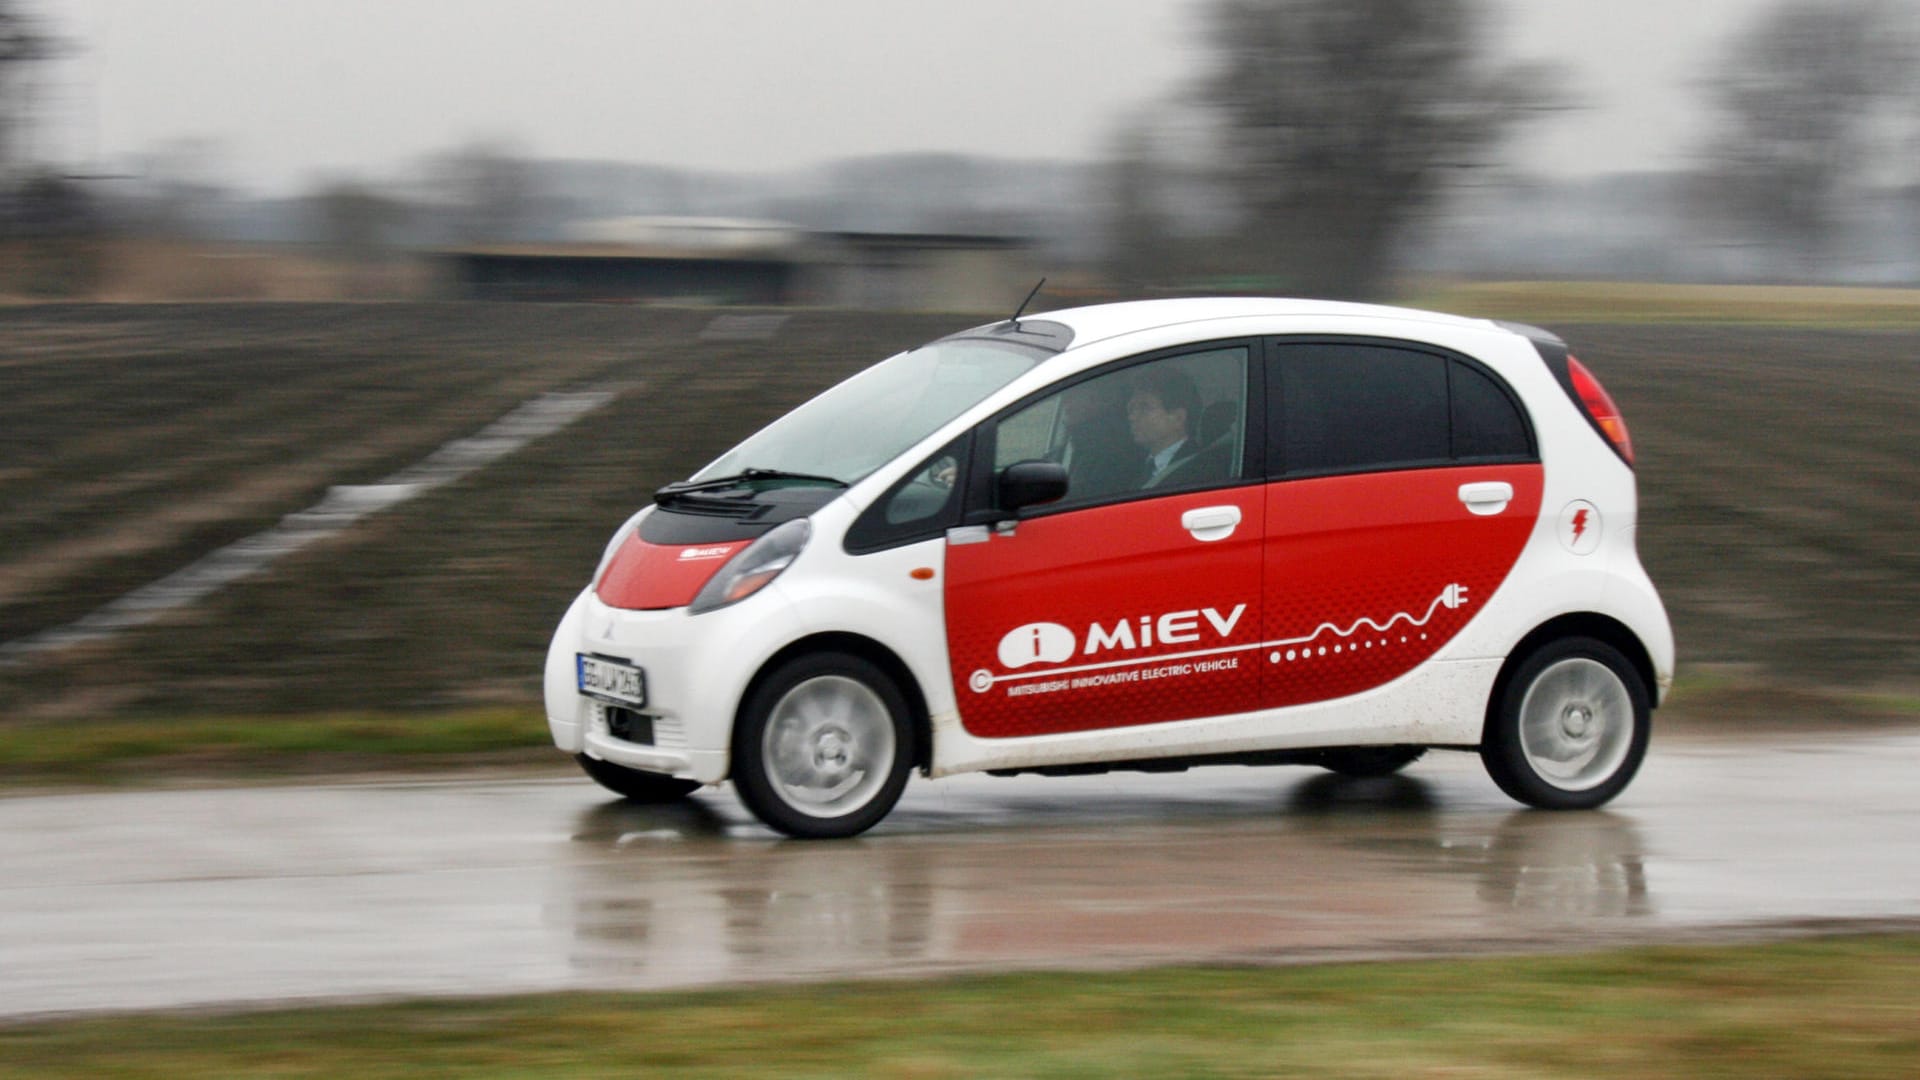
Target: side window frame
[(981, 501), (871, 532), (1275, 466)]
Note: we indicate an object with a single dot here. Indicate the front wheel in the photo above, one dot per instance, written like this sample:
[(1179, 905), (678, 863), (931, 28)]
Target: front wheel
[(823, 747), (1569, 728)]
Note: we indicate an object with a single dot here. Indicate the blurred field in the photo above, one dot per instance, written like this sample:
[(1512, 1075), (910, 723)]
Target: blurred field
[(1837, 1008), (1778, 474), (139, 438), (1558, 302)]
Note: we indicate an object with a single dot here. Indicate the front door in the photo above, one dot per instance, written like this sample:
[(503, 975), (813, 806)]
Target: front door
[(1135, 600)]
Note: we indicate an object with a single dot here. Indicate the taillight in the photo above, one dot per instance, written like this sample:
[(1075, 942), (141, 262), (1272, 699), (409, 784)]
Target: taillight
[(1599, 405)]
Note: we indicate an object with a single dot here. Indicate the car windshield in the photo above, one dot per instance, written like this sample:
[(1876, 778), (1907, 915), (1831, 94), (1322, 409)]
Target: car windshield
[(866, 421)]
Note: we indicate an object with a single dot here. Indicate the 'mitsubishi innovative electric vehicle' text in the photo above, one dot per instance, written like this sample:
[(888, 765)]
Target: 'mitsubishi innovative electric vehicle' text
[(1142, 535)]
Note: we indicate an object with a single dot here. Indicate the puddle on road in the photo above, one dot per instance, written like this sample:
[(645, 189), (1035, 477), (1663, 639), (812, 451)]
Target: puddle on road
[(343, 506)]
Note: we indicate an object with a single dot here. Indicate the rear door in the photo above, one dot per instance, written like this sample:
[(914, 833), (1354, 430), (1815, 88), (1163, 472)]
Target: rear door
[(1134, 600), (1406, 483)]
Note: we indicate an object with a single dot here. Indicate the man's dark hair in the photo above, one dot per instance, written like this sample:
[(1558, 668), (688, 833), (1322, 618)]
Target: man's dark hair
[(1175, 391)]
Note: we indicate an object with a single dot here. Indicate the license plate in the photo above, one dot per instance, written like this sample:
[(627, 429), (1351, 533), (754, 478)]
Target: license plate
[(611, 680)]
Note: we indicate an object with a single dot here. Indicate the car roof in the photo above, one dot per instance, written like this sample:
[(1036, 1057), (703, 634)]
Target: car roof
[(1102, 321)]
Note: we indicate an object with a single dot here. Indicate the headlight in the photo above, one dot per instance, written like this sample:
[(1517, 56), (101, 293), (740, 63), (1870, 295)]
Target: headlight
[(756, 565)]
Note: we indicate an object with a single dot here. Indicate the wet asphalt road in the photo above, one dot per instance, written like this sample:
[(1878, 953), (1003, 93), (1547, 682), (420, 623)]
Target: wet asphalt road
[(160, 899)]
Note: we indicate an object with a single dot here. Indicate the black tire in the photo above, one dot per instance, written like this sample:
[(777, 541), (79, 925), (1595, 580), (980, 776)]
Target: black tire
[(823, 746), (1569, 728), (637, 786), (1362, 762)]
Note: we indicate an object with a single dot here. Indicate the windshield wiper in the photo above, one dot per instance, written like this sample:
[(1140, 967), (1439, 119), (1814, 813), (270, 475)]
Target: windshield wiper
[(721, 483)]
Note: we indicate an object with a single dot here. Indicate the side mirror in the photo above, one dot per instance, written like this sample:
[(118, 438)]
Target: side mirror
[(1031, 483)]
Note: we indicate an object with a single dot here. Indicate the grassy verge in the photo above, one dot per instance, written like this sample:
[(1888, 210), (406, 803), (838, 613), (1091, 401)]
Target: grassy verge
[(124, 750), (1707, 700), (1831, 1008)]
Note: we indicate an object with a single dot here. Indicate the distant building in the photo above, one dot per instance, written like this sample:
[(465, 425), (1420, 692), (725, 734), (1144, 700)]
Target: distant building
[(729, 261), (920, 271), (710, 234), (606, 272)]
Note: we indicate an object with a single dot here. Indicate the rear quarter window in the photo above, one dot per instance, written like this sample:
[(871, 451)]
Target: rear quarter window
[(1487, 425)]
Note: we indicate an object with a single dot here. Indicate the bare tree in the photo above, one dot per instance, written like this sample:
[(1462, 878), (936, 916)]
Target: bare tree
[(353, 220), (183, 187), (58, 224), (1799, 97), (43, 219), (1340, 120), (356, 225), (490, 189), (1139, 240), (22, 44)]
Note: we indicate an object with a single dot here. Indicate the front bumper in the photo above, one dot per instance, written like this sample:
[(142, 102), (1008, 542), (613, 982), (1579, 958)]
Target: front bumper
[(697, 669), (706, 766)]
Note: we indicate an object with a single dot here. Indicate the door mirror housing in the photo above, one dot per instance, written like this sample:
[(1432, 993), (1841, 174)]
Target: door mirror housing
[(1031, 483)]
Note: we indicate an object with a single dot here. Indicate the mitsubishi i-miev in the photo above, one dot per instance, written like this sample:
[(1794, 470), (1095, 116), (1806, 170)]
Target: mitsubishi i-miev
[(1147, 535)]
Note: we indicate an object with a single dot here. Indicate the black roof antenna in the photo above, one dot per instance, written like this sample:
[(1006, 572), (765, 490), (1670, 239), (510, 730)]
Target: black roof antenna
[(1022, 309)]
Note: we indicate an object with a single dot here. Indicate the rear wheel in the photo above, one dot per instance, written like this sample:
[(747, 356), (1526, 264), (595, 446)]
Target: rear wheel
[(1570, 727), (824, 746), (637, 786)]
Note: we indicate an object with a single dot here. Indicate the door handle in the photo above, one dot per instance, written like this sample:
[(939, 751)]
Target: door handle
[(1209, 523), (1486, 498)]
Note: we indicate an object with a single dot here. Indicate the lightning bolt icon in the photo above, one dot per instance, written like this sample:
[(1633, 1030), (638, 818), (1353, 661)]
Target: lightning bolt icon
[(1579, 523)]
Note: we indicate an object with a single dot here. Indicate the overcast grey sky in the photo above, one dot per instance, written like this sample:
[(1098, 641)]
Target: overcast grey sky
[(292, 88)]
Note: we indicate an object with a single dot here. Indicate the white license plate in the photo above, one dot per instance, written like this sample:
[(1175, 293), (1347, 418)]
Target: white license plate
[(611, 680)]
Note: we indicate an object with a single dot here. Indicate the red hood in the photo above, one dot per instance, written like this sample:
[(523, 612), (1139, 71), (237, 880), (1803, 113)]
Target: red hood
[(651, 577)]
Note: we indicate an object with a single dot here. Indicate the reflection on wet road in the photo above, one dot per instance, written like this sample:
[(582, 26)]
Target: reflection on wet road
[(156, 899)]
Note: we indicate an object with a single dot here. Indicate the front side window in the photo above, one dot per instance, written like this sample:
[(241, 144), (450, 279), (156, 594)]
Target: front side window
[(871, 418), (1169, 424)]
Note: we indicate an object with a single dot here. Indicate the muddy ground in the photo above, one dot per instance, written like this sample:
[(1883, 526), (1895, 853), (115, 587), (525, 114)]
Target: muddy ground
[(1779, 469)]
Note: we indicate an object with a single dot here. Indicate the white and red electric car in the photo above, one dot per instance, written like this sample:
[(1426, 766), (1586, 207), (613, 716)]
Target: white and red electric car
[(1144, 535)]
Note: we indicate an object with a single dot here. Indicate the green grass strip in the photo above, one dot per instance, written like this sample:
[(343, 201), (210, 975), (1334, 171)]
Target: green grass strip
[(101, 751), (1842, 1007)]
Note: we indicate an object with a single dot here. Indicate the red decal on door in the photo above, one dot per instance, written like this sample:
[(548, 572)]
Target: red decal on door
[(1367, 576), (1106, 617)]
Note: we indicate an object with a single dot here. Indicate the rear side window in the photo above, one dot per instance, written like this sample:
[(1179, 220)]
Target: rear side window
[(1350, 407), (1353, 406)]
